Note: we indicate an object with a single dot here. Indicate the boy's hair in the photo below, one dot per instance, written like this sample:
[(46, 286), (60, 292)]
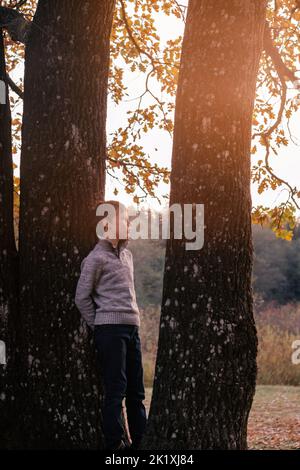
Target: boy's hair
[(117, 204)]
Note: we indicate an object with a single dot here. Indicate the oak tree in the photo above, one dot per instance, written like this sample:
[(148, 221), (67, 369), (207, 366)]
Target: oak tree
[(206, 361)]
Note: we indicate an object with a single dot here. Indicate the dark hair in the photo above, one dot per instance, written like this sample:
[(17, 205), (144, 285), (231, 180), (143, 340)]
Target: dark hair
[(116, 204), (113, 202)]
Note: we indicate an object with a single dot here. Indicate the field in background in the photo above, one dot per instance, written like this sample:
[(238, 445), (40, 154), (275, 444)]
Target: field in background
[(274, 421), (275, 417), (277, 328)]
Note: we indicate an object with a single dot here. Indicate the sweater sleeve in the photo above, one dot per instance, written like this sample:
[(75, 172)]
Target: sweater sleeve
[(90, 274)]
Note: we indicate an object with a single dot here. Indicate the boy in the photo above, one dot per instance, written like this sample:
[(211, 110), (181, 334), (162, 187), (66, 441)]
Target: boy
[(105, 297)]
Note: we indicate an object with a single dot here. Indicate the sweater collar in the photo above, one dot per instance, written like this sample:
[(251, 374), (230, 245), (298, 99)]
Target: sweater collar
[(105, 243)]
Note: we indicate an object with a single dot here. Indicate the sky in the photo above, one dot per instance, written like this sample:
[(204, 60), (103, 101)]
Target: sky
[(286, 164), (158, 144)]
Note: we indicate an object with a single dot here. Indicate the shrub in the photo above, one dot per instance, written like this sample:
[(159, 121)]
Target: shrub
[(277, 328), (274, 361)]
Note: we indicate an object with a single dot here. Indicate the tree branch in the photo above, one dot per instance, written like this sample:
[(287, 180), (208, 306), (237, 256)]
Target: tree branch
[(284, 73), (132, 38), (20, 4), (15, 23), (14, 87), (292, 191), (140, 49)]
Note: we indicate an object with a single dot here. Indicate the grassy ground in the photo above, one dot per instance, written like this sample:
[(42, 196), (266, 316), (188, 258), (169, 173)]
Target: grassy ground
[(275, 417)]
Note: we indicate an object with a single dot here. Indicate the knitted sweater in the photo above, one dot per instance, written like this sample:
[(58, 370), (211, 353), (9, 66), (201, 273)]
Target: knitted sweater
[(105, 291)]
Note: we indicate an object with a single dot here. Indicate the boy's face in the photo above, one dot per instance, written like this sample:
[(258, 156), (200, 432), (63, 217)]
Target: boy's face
[(122, 224), (115, 224)]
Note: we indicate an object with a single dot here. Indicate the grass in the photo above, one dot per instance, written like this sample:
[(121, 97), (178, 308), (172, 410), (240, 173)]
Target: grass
[(274, 421), (274, 359)]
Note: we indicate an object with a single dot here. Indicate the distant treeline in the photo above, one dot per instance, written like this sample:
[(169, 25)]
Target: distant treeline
[(276, 273)]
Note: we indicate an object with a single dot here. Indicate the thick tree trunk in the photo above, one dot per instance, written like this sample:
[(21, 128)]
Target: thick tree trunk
[(8, 274), (62, 181), (206, 363)]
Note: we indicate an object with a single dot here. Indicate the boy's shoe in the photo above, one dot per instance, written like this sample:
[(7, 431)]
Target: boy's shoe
[(118, 448), (127, 448), (135, 445)]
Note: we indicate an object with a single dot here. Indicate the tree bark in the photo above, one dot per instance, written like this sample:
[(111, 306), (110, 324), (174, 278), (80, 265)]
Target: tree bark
[(15, 23), (8, 274), (206, 363), (62, 182)]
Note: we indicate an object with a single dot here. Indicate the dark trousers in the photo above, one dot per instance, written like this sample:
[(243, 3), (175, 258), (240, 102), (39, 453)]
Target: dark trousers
[(120, 359)]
